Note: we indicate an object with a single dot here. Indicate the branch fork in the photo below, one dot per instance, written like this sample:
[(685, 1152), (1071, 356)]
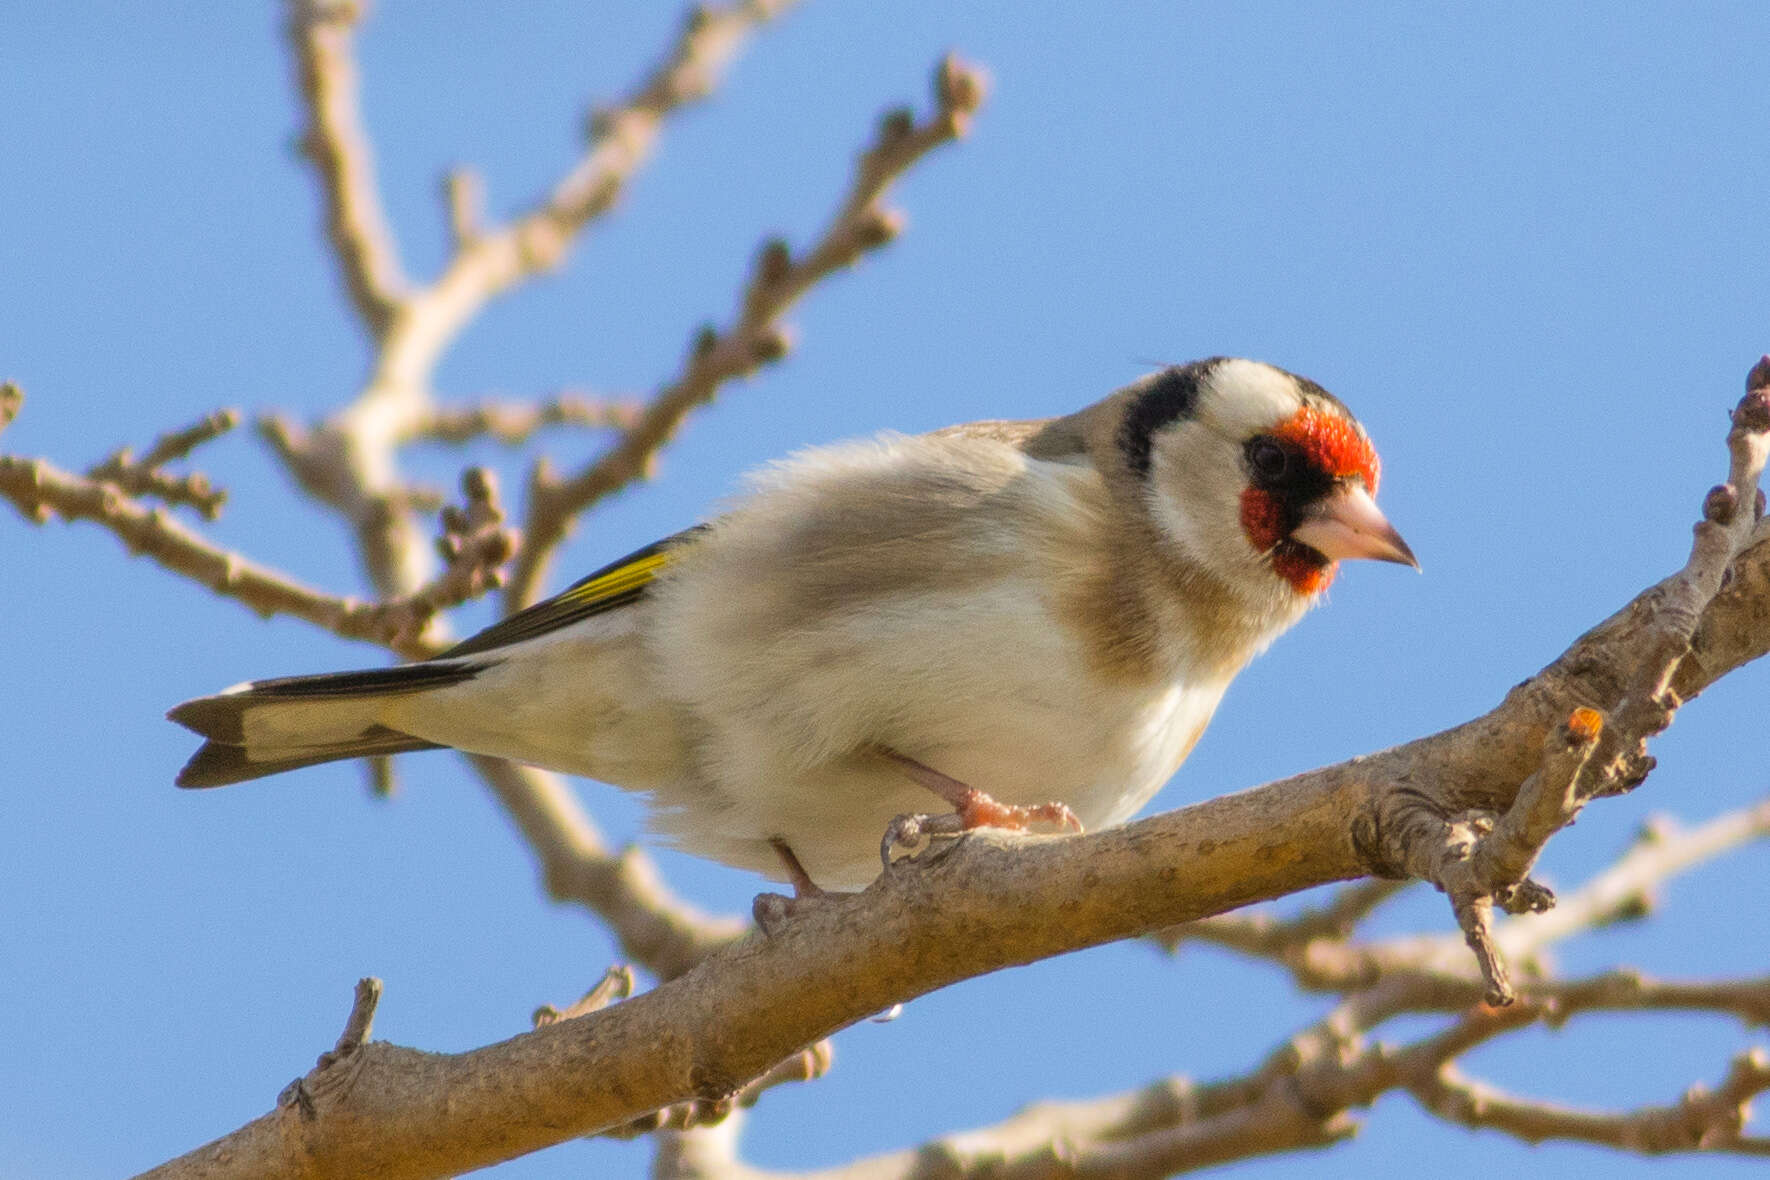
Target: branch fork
[(1481, 856), (337, 1068), (1479, 859)]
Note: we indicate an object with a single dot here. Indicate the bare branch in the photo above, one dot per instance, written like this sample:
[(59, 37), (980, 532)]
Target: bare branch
[(321, 34), (513, 422), (654, 927), (1548, 801), (1424, 834), (1265, 936), (1436, 971), (755, 338), (1747, 1000), (464, 197), (616, 984), (1703, 1120), (1626, 888), (12, 399), (622, 136), (1301, 1096), (143, 477), (336, 1068), (805, 1066), (40, 490), (474, 545), (1478, 861), (348, 461), (490, 260), (1298, 1098), (360, 1022), (984, 904)]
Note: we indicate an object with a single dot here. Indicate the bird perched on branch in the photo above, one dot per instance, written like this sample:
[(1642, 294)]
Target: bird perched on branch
[(994, 615)]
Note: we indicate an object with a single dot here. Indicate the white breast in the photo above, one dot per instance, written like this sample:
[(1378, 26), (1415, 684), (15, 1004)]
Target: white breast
[(795, 671)]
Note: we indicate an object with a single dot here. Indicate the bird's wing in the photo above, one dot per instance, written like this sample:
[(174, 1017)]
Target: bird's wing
[(614, 585)]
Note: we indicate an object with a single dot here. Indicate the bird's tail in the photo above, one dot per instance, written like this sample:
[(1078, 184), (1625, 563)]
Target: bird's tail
[(269, 726)]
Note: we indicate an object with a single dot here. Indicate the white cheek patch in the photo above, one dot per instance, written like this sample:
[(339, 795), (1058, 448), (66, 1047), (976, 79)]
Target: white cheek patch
[(1192, 492)]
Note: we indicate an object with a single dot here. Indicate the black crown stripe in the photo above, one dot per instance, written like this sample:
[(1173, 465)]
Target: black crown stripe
[(1170, 396)]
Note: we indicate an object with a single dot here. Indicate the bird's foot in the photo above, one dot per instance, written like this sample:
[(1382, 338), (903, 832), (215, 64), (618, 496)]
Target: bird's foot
[(904, 835), (977, 810), (973, 809)]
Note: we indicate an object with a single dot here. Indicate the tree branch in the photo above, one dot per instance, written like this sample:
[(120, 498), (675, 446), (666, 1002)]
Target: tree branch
[(1439, 964), (40, 490), (348, 461), (321, 35), (490, 260), (144, 477), (12, 399), (1703, 1120), (1302, 1094), (654, 927), (983, 905), (513, 422), (1475, 844), (755, 338)]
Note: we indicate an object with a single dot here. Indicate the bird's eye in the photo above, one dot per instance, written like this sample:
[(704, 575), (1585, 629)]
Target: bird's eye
[(1267, 458)]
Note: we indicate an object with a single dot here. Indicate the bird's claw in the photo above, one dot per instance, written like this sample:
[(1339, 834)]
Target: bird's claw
[(904, 835)]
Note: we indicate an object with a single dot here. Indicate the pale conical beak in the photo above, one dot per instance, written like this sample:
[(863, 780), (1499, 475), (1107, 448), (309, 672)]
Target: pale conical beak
[(1347, 523)]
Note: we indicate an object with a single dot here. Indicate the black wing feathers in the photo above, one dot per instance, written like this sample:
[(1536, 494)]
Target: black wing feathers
[(614, 585)]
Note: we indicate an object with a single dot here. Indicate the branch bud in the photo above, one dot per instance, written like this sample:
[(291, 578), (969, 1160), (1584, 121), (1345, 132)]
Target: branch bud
[(1759, 377), (705, 341), (958, 88), (1720, 504), (876, 227), (773, 262), (896, 124), (1753, 414), (770, 345)]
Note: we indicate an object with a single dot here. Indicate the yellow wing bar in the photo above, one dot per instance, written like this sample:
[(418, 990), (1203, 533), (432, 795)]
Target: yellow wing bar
[(630, 574), (614, 585)]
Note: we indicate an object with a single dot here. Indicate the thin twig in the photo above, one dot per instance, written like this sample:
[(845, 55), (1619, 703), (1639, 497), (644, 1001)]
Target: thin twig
[(513, 422), (755, 337), (12, 399), (804, 1066), (1478, 855), (143, 477), (349, 460), (615, 984), (655, 928), (321, 35), (1703, 1120), (40, 490)]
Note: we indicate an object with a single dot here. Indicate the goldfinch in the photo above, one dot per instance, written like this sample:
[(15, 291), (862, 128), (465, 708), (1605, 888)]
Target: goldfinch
[(997, 614)]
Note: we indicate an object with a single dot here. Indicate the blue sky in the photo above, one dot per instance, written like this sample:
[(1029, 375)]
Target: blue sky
[(1526, 244)]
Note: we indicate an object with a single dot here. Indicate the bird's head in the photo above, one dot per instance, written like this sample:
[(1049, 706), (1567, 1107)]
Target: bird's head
[(1261, 476)]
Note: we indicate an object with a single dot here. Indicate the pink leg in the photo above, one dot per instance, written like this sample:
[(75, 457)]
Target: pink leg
[(971, 809), (803, 885), (771, 909)]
